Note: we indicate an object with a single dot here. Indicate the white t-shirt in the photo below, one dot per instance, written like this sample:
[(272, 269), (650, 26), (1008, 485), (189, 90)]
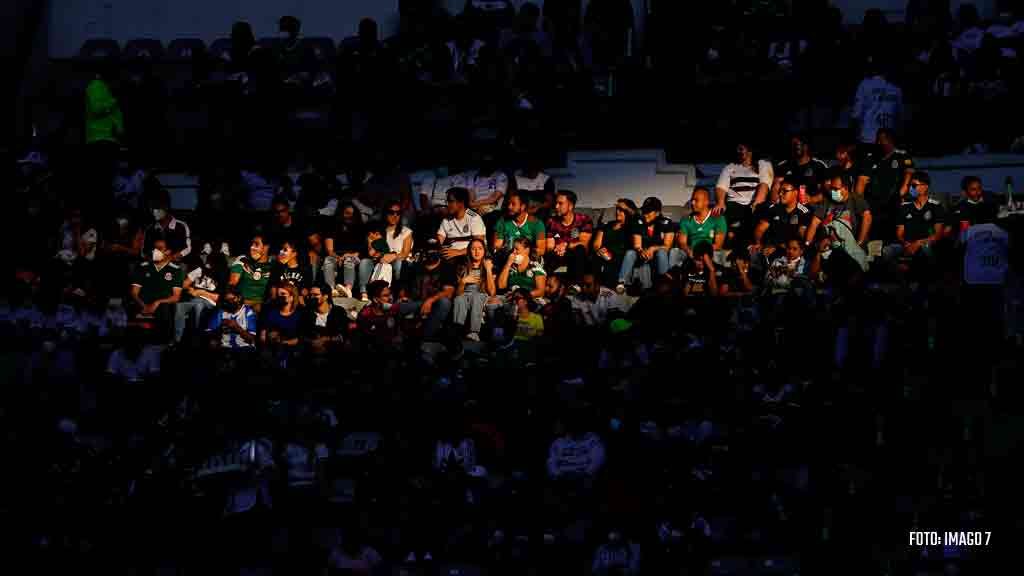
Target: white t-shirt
[(147, 364), (526, 184), (470, 225), (395, 243), (740, 182), (986, 260), (878, 104), (488, 186)]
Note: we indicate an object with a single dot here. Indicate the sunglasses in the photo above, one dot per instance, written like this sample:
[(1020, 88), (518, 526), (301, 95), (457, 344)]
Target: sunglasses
[(393, 212), (788, 190)]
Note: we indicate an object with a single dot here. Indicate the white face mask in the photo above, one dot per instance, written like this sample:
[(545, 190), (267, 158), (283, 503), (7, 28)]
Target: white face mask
[(837, 195), (971, 201), (517, 259), (159, 213), (157, 255)]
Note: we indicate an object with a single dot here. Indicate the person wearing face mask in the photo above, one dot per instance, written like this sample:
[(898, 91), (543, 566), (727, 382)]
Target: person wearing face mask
[(250, 274), (323, 324), (156, 286), (233, 327), (288, 268), (972, 209), (280, 327), (379, 321), (165, 225), (921, 223), (841, 207)]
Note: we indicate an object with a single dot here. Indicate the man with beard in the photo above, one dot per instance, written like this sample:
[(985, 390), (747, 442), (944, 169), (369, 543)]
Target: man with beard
[(807, 172), (518, 223)]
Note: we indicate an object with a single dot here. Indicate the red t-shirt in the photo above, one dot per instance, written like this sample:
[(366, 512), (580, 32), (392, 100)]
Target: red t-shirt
[(561, 233)]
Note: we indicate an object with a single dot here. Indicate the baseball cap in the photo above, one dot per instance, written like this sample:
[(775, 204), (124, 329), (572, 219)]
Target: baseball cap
[(651, 204)]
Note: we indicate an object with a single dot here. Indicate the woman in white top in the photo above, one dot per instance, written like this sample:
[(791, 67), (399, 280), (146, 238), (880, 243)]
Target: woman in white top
[(399, 239)]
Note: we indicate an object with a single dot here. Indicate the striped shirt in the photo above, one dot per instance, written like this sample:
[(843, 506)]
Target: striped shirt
[(245, 318), (740, 182)]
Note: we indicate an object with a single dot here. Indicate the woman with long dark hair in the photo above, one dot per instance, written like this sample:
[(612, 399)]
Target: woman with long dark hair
[(477, 285)]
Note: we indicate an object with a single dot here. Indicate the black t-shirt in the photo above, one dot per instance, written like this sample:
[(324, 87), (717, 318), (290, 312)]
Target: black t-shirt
[(653, 233), (301, 276), (784, 225), (919, 223), (972, 213), (811, 174), (347, 237), (886, 176), (698, 283), (616, 241), (430, 282)]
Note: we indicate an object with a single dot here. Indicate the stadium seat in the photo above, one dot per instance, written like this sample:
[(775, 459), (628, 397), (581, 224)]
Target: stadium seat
[(150, 48), (99, 49)]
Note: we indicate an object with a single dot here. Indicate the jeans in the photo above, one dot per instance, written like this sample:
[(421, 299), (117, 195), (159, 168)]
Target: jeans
[(435, 320), (195, 307), (663, 261), (352, 269), (470, 303)]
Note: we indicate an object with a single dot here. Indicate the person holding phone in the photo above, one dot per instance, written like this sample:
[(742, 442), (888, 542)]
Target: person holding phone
[(477, 286)]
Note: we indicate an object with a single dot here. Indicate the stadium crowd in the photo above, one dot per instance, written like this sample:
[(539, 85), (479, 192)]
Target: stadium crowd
[(461, 369)]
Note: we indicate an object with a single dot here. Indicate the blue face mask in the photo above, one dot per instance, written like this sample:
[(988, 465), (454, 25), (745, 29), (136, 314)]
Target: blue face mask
[(837, 195), (913, 192)]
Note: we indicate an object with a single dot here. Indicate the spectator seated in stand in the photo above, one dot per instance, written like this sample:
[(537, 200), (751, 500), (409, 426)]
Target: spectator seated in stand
[(156, 288), (920, 228), (233, 326), (653, 240), (568, 237)]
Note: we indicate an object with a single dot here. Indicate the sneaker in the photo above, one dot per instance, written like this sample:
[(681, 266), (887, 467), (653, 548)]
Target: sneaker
[(620, 288), (473, 337), (411, 558), (575, 289), (343, 291), (364, 297)]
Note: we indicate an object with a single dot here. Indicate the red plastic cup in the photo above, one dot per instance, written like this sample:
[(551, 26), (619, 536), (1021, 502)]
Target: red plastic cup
[(803, 194)]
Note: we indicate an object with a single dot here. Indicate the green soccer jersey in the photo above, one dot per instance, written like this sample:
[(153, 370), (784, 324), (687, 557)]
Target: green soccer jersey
[(525, 279), (157, 283), (254, 278), (509, 231), (705, 231)]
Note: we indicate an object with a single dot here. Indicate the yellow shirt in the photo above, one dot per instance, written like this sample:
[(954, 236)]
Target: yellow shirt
[(529, 326)]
